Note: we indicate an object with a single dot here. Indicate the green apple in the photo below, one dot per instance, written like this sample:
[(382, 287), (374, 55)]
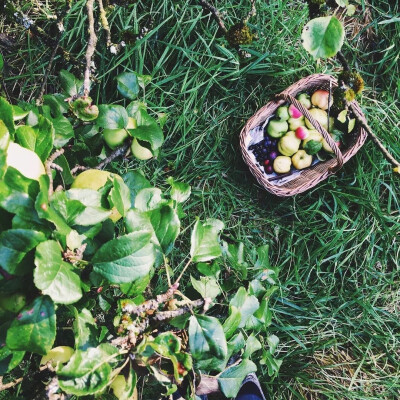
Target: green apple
[(115, 137), (304, 99), (277, 129), (313, 134), (283, 113), (118, 387), (139, 151), (319, 115), (58, 355), (95, 179), (26, 161), (302, 160), (282, 164), (13, 302), (295, 123), (289, 144)]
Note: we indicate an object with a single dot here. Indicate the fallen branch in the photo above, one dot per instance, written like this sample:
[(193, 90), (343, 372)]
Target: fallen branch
[(216, 14), (118, 152), (104, 23), (48, 165)]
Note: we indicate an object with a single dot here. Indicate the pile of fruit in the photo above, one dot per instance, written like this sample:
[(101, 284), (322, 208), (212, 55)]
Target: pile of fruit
[(292, 143)]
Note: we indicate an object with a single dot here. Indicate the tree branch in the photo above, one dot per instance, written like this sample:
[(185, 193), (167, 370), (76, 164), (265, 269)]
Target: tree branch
[(216, 14), (104, 23), (118, 152), (90, 48)]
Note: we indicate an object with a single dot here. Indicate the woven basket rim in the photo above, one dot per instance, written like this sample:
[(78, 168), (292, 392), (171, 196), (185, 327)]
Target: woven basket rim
[(310, 177)]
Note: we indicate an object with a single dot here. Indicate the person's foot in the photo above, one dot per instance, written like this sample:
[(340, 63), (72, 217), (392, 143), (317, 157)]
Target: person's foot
[(250, 389)]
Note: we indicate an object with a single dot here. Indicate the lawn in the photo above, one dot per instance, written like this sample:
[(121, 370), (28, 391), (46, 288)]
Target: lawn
[(337, 312)]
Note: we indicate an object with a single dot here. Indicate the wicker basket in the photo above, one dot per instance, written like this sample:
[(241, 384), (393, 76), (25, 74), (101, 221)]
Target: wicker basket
[(303, 180)]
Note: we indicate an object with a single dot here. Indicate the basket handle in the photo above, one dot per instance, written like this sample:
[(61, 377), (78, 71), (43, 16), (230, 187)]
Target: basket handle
[(339, 156)]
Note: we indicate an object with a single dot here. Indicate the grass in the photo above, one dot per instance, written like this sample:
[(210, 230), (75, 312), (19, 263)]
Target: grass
[(337, 313)]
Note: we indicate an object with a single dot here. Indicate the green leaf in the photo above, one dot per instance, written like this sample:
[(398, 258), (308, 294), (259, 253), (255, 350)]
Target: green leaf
[(57, 103), (151, 133), (252, 345), (6, 115), (135, 181), (8, 359), (166, 225), (69, 84), (351, 10), (272, 363), (19, 113), (207, 287), (204, 240), (236, 344), (180, 191), (55, 277), (234, 254), (231, 379), (232, 323), (323, 37), (64, 131), (207, 342), (112, 117), (273, 342), (69, 209), (88, 372), (15, 244), (85, 330), (128, 258), (34, 328), (128, 85), (148, 199), (26, 137), (246, 304), (44, 138), (119, 196), (342, 3)]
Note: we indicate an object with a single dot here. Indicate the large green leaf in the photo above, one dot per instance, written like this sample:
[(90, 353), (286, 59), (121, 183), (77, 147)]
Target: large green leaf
[(26, 137), (69, 83), (207, 287), (112, 117), (55, 277), (323, 37), (15, 244), (85, 330), (135, 180), (8, 359), (88, 372), (232, 323), (231, 379), (128, 85), (119, 196), (34, 328), (207, 342), (245, 303), (63, 131), (44, 138), (6, 115), (204, 240), (234, 254), (180, 191), (126, 259), (148, 199)]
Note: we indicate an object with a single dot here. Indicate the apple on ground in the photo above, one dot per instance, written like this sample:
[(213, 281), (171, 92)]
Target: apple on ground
[(282, 164), (118, 386), (57, 355), (139, 151), (301, 159), (26, 161)]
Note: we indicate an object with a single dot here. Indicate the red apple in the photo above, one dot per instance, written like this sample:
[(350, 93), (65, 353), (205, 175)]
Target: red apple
[(301, 132), (294, 112), (320, 99)]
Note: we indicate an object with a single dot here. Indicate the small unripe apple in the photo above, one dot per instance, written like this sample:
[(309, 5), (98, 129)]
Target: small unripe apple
[(118, 387), (13, 302), (277, 129), (301, 132), (283, 113), (301, 159), (294, 112), (139, 151), (289, 144), (60, 354), (114, 137), (319, 115), (320, 99), (282, 164), (26, 161), (304, 99)]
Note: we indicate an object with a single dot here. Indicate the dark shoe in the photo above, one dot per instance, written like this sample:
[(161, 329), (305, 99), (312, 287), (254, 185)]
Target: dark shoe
[(250, 389)]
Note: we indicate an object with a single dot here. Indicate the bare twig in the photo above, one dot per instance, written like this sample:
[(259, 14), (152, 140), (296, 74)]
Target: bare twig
[(343, 61), (216, 14), (252, 12), (118, 152), (90, 48), (5, 386), (48, 167), (78, 168), (104, 23)]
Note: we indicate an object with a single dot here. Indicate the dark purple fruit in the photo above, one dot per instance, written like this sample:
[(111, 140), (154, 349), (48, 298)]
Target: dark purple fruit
[(273, 155), (268, 169)]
